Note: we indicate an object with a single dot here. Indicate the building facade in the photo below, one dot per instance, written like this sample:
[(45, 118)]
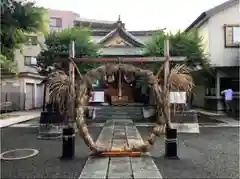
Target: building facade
[(26, 90), (220, 29), (59, 19)]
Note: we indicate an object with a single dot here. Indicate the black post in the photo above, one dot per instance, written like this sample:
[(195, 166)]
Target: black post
[(171, 144), (44, 96), (68, 144)]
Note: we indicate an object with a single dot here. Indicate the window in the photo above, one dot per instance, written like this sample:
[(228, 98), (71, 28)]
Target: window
[(31, 40), (30, 61), (232, 35), (55, 22)]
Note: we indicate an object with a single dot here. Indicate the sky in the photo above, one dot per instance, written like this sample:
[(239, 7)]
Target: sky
[(137, 14)]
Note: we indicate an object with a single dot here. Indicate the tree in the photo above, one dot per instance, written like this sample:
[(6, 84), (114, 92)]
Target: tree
[(186, 44), (57, 46), (18, 18)]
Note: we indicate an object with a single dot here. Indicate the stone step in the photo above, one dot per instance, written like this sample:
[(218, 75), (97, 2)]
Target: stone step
[(105, 110), (118, 118), (107, 114), (118, 114), (119, 109)]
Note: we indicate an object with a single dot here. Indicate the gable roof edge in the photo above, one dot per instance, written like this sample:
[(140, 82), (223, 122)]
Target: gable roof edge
[(211, 12), (111, 33)]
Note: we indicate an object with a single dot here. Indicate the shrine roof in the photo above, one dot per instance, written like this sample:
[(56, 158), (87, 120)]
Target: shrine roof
[(123, 33), (136, 38)]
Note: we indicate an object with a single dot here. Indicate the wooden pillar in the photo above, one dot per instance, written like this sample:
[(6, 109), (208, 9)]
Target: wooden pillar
[(166, 64), (166, 73), (72, 82), (119, 82), (170, 133), (68, 137)]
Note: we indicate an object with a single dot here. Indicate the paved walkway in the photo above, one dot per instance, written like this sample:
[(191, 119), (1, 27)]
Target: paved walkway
[(116, 134), (210, 113), (18, 117)]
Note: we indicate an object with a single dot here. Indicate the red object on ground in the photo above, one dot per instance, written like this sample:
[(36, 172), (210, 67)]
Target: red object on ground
[(121, 154)]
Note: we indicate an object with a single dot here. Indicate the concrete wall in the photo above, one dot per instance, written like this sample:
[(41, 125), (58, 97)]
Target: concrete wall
[(15, 89), (12, 91)]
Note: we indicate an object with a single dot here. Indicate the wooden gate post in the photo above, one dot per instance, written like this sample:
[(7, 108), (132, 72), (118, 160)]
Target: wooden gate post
[(72, 83), (68, 145), (166, 73), (170, 134)]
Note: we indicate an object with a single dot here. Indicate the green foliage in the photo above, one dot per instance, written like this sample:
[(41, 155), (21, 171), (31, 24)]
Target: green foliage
[(4, 116), (57, 45), (185, 44), (17, 19), (7, 65)]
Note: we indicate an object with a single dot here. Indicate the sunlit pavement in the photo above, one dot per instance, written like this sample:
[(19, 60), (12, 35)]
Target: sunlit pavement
[(47, 163), (213, 153)]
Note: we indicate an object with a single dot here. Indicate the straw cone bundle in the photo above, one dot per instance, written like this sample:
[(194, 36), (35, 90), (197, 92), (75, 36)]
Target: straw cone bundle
[(59, 84), (180, 78)]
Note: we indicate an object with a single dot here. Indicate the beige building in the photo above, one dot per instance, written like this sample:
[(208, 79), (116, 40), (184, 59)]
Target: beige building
[(220, 29), (24, 91)]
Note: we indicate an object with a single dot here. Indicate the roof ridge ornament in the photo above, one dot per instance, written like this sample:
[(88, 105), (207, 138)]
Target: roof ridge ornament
[(119, 22), (119, 18)]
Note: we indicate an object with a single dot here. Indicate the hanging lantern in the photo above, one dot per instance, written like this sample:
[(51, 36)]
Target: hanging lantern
[(111, 78)]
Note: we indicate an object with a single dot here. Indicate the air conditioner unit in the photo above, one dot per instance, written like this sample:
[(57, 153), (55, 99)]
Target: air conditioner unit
[(33, 61)]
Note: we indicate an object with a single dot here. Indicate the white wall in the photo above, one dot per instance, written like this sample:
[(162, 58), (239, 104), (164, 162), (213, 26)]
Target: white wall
[(221, 56), (204, 34)]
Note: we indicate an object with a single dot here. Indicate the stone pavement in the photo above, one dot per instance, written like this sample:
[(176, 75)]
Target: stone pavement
[(18, 117), (116, 133)]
